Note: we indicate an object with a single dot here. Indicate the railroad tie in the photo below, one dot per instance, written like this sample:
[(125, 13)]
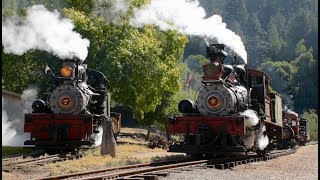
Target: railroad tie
[(147, 177), (133, 178), (163, 174), (219, 166), (232, 164), (244, 161), (210, 166)]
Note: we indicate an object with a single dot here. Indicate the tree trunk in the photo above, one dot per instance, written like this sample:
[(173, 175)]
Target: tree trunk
[(108, 144)]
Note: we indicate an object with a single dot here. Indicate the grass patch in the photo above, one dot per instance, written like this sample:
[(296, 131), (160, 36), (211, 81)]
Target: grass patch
[(10, 151), (127, 154)]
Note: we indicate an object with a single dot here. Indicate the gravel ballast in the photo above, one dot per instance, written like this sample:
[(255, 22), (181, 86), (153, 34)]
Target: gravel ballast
[(301, 165)]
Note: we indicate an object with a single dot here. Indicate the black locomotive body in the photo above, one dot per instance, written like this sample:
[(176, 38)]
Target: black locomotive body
[(72, 114), (235, 111)]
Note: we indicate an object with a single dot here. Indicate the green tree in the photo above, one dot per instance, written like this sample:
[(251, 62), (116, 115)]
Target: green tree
[(312, 118), (281, 73), (301, 47), (140, 63), (304, 82), (274, 40), (20, 71), (195, 62)]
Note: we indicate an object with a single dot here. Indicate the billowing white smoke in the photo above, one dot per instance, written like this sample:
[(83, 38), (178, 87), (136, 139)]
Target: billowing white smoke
[(28, 96), (189, 18), (262, 140), (117, 7), (10, 136), (98, 137), (13, 119), (43, 30), (254, 137), (251, 118), (288, 111), (248, 139)]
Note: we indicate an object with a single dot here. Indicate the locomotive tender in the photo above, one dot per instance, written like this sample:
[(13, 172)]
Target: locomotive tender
[(235, 112), (70, 116)]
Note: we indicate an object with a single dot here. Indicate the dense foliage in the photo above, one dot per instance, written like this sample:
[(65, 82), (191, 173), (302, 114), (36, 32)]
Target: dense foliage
[(281, 38), (145, 67), (140, 63), (312, 118)]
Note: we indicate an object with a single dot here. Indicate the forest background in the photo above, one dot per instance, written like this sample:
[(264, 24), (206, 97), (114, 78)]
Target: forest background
[(148, 68)]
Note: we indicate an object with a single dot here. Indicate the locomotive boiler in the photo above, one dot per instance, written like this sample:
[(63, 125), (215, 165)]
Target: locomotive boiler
[(71, 115), (235, 111)]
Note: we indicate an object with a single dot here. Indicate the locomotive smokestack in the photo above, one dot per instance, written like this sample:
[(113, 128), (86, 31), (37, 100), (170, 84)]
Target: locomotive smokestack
[(215, 52)]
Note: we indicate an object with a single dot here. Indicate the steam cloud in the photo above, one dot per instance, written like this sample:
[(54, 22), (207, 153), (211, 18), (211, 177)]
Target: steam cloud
[(251, 118), (43, 30), (289, 111), (254, 137), (188, 17), (118, 7), (13, 119), (262, 139), (97, 137)]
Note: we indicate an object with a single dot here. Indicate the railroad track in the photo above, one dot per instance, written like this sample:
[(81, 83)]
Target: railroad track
[(18, 162), (154, 170)]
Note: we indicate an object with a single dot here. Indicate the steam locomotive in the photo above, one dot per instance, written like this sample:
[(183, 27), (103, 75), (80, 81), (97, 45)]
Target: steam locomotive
[(71, 115), (235, 112)]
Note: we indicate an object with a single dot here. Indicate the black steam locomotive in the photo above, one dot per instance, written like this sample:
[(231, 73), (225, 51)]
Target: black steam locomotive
[(235, 112), (70, 116)]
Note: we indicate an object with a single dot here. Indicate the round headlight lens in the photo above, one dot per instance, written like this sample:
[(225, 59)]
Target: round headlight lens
[(66, 71)]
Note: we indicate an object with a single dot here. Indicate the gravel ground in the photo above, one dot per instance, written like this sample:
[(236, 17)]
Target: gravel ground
[(301, 165)]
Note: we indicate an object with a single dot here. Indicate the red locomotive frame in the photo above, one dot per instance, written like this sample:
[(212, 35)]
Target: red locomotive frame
[(58, 129), (233, 125)]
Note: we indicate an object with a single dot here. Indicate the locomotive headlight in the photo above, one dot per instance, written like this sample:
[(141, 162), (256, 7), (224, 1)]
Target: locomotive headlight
[(66, 71)]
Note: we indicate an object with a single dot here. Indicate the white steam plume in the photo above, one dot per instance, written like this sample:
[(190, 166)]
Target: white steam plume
[(13, 119), (117, 7), (262, 139), (289, 111), (249, 139), (189, 18), (251, 118), (43, 30), (98, 137), (254, 137)]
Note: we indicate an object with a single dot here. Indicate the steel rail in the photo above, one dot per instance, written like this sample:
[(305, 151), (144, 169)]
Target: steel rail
[(219, 163), (94, 171), (146, 170)]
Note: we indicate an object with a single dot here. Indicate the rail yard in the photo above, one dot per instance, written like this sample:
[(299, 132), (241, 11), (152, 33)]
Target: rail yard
[(164, 165), (159, 90)]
